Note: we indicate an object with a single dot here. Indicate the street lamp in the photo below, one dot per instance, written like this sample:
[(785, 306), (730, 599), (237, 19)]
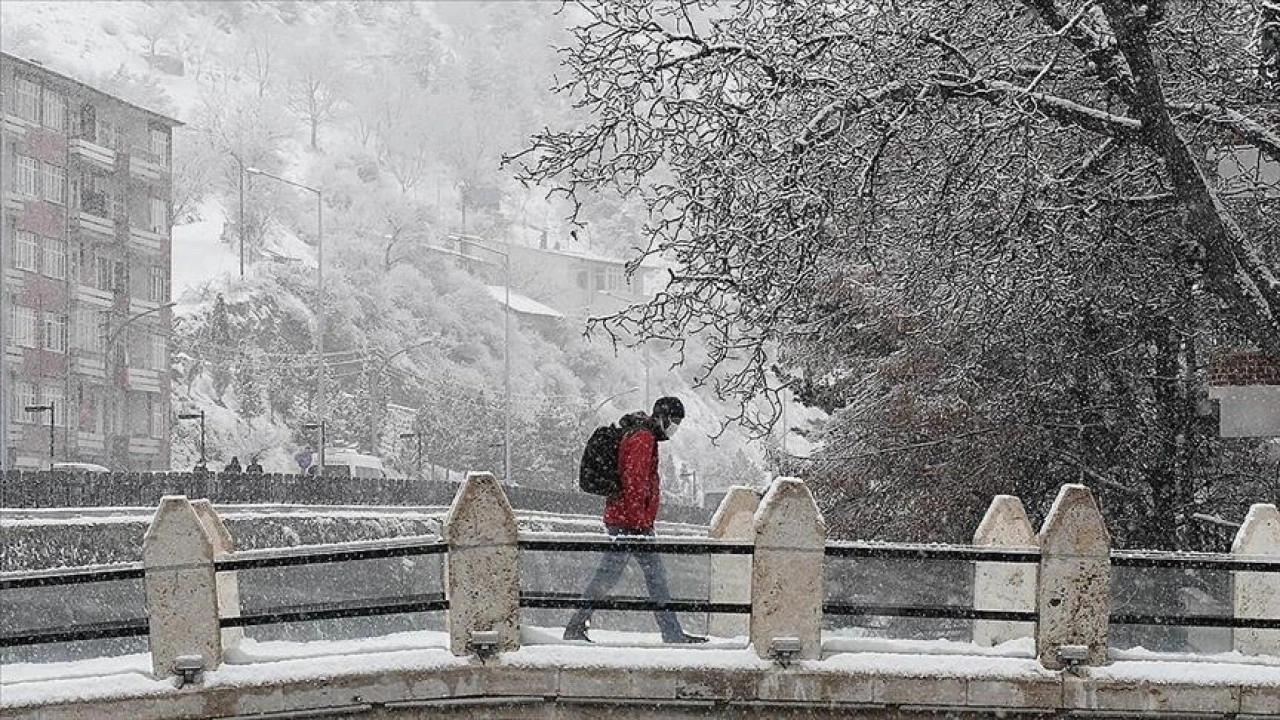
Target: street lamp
[(506, 346), (49, 409), (406, 436), (196, 416), (321, 404), (614, 396), (109, 365), (323, 440), (373, 398)]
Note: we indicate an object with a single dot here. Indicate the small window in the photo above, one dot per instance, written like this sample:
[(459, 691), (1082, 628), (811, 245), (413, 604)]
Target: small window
[(22, 324), (27, 176), (582, 279), (55, 258), (158, 417), (158, 287), (26, 99), (55, 110), (55, 183), (160, 145), (599, 278), (24, 395), (56, 334), (159, 216), (103, 276), (26, 249), (54, 394)]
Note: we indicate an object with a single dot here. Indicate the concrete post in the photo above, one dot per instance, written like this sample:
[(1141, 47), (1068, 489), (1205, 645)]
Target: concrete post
[(731, 574), (482, 572), (1257, 595), (1004, 586), (181, 589), (228, 582), (786, 570), (1073, 589)]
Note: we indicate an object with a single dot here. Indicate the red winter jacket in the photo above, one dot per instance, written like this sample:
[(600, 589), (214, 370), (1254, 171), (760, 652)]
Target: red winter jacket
[(636, 507)]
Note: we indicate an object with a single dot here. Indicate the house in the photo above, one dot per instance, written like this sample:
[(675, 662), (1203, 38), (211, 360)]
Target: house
[(86, 273)]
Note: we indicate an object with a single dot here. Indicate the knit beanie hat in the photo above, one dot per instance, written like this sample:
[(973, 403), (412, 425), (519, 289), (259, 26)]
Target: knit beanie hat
[(669, 407)]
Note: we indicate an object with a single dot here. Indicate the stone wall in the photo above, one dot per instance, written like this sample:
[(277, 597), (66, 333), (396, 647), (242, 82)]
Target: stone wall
[(19, 489)]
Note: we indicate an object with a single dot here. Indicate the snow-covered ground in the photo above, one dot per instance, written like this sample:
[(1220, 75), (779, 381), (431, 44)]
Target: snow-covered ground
[(259, 663)]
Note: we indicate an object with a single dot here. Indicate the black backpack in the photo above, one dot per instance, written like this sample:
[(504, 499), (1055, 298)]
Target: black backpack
[(598, 471)]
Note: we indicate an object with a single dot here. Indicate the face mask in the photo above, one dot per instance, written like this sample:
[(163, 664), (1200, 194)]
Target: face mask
[(669, 427)]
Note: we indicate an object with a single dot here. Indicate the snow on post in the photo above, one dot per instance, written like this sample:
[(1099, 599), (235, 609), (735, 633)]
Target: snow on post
[(181, 588), (228, 582), (786, 570), (1257, 595), (1073, 592), (731, 574), (1004, 586), (482, 571)]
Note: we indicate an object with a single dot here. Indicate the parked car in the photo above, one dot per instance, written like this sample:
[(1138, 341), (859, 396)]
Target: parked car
[(350, 463)]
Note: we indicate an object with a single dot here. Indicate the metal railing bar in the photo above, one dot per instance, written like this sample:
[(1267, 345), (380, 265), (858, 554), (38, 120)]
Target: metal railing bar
[(1213, 621), (432, 602), (569, 601), (665, 546), (336, 552), (71, 576), (941, 612), (931, 552), (1186, 561), (92, 631)]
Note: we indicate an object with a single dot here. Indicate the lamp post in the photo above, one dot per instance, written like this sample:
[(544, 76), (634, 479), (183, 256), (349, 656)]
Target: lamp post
[(418, 436), (196, 416), (109, 365), (382, 368), (240, 222), (321, 400), (6, 387), (323, 440), (49, 409), (506, 346)]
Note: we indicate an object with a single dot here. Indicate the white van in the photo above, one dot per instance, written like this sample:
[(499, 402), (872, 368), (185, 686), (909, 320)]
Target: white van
[(349, 463)]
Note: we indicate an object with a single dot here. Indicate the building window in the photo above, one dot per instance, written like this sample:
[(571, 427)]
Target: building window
[(90, 408), (95, 196), (55, 111), (158, 351), (614, 278), (54, 394), (582, 279), (159, 216), (56, 335), (158, 417), (26, 99), (103, 273), (26, 178), (598, 274), (26, 250), (106, 134), (55, 258), (157, 288), (91, 329), (22, 324), (24, 394), (55, 183), (160, 145)]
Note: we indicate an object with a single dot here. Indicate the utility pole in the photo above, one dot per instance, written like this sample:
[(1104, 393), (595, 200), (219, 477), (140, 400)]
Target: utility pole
[(6, 387)]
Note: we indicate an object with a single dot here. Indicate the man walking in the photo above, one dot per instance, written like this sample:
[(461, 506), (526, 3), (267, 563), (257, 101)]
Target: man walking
[(630, 515)]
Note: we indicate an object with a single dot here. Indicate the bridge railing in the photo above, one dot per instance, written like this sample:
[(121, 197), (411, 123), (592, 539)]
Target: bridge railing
[(767, 573)]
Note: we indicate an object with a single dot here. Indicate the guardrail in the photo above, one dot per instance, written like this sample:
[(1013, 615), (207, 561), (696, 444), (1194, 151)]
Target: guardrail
[(767, 560)]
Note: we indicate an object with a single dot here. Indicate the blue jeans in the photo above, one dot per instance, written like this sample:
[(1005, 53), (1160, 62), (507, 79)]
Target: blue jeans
[(612, 565)]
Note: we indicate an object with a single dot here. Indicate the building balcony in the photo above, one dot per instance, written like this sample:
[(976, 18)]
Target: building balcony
[(89, 440), (103, 157), (92, 222), (15, 125), (91, 365), (90, 295), (139, 306), (144, 446), (144, 380), (145, 239), (146, 166)]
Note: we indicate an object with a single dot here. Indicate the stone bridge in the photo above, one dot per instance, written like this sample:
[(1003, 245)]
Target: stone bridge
[(1041, 607)]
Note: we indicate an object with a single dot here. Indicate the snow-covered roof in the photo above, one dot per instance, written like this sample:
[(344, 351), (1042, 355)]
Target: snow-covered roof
[(522, 303)]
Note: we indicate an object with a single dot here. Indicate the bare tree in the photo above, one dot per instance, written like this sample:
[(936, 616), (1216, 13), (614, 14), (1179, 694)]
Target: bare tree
[(315, 82)]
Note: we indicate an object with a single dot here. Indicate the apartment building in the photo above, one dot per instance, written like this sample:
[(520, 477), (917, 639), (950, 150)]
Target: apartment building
[(87, 247)]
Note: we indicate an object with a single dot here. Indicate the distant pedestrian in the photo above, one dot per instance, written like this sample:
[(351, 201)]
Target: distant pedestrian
[(254, 466), (200, 468), (630, 515), (303, 459), (233, 466)]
